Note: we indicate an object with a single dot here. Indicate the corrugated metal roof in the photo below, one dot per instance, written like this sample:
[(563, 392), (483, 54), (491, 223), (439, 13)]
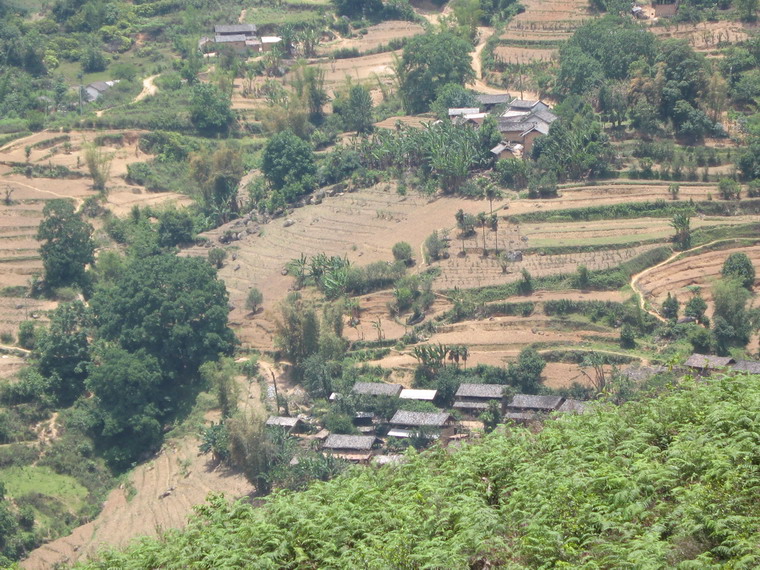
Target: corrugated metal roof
[(426, 395), (230, 38), (282, 421)]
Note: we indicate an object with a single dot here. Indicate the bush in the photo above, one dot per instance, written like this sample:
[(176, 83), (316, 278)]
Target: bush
[(26, 335), (402, 251), (216, 257), (254, 299), (435, 247), (627, 336)]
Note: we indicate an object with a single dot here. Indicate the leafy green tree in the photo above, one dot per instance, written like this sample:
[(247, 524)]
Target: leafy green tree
[(220, 376), (670, 307), (681, 222), (216, 257), (287, 160), (68, 245), (63, 352), (218, 176), (627, 336), (525, 374), (739, 266), (27, 335), (429, 62), (172, 307), (435, 247), (491, 417), (696, 308), (731, 320), (175, 227), (357, 8), (127, 389), (357, 110), (210, 109), (297, 330), (452, 96), (254, 300)]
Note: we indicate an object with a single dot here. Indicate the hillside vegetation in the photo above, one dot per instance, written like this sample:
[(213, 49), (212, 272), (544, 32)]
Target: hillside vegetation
[(670, 481)]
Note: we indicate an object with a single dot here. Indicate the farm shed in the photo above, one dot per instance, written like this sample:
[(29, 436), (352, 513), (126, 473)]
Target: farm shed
[(571, 406), (422, 395), (432, 424), (705, 363), (95, 89), (474, 398), (531, 403), (488, 102), (290, 425), (749, 366), (354, 448), (377, 389)]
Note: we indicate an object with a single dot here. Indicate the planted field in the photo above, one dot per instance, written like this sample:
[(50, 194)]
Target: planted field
[(376, 37)]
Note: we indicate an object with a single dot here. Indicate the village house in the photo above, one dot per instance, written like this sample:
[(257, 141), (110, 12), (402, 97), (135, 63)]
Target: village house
[(665, 8), (377, 389), (475, 398), (570, 406), (490, 102), (419, 395), (95, 89), (364, 422), (354, 448), (748, 366), (505, 150), (527, 407), (287, 424), (704, 364), (432, 425)]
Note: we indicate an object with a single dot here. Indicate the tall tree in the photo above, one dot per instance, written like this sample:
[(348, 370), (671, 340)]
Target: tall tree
[(172, 307), (430, 61), (68, 246), (739, 266)]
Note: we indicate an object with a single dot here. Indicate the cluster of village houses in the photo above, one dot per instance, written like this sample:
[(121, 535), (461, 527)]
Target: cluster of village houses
[(520, 122), (470, 400), (240, 38)]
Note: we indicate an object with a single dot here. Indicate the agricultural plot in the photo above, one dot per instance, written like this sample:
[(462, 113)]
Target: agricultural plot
[(376, 37), (704, 36)]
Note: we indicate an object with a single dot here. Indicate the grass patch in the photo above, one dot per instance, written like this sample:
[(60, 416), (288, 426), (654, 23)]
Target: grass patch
[(29, 479)]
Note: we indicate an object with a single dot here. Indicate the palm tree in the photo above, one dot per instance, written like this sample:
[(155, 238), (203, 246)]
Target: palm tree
[(495, 228), (464, 353), (493, 193), (681, 222)]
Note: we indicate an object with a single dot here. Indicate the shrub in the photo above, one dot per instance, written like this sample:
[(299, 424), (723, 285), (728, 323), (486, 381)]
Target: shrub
[(402, 251), (627, 336), (729, 189), (254, 299), (435, 247), (26, 335), (216, 257)]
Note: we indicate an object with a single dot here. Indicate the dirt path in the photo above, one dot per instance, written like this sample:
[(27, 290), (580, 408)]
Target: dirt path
[(149, 88), (636, 278), (478, 84)]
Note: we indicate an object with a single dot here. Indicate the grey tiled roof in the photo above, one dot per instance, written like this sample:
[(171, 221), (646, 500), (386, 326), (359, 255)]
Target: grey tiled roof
[(377, 389), (418, 419), (359, 442), (530, 402), (750, 366), (235, 29), (573, 406), (480, 391), (709, 362), (493, 99)]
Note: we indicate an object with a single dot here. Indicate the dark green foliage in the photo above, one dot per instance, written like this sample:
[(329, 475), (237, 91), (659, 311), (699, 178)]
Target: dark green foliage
[(731, 320), (670, 307), (174, 308), (357, 8), (27, 336), (254, 299), (68, 245), (63, 353), (210, 109), (701, 340), (127, 389), (356, 110), (525, 285), (429, 62), (739, 266), (627, 336), (695, 308), (288, 161), (216, 257), (452, 96), (435, 247), (175, 227)]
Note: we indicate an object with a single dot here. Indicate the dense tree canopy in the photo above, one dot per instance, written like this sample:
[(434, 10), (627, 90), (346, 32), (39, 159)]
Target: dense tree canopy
[(288, 160), (173, 308), (739, 266), (210, 109), (429, 62), (68, 245)]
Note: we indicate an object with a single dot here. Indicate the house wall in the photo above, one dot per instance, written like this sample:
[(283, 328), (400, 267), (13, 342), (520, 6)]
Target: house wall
[(527, 141)]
